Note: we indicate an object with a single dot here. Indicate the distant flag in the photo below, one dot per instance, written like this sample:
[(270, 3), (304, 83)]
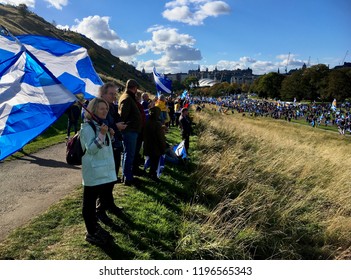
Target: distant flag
[(68, 62), (333, 107), (180, 150), (184, 94), (31, 99), (147, 162), (163, 84)]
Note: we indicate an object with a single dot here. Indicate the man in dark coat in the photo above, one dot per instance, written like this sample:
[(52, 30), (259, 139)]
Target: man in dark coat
[(154, 140), (130, 114), (185, 127)]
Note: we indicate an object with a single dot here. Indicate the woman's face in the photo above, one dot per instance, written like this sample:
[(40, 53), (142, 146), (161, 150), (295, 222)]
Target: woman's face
[(102, 110)]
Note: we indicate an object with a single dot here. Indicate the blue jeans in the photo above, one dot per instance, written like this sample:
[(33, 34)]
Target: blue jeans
[(129, 147)]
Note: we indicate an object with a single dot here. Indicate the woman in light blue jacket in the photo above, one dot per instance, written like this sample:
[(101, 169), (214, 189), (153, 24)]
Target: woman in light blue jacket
[(98, 167)]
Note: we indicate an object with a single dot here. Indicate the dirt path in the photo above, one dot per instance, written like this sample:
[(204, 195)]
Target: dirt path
[(29, 185)]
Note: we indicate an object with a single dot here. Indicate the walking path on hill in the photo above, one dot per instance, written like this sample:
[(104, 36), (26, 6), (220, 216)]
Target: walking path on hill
[(29, 185)]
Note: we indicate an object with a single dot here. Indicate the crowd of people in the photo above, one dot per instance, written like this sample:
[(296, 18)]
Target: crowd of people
[(316, 113), (125, 126)]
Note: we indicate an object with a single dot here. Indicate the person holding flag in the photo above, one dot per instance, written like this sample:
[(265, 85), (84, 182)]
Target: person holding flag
[(98, 167)]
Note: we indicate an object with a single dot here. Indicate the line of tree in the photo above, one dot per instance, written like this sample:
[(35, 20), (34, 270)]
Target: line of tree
[(316, 83)]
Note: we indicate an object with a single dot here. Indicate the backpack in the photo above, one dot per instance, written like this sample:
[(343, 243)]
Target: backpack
[(74, 151)]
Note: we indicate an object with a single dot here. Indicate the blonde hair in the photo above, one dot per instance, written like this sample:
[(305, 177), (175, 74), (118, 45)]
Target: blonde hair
[(93, 105)]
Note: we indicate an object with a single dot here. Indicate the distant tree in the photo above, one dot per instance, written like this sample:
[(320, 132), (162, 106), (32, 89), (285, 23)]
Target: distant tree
[(245, 87), (269, 85), (54, 23), (190, 80), (177, 86), (293, 87), (315, 80), (339, 85), (23, 10)]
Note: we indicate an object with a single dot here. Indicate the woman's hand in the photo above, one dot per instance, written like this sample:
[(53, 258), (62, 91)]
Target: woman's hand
[(112, 132), (104, 129)]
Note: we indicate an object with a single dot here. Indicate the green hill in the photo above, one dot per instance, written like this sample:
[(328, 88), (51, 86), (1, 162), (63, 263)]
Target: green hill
[(19, 20)]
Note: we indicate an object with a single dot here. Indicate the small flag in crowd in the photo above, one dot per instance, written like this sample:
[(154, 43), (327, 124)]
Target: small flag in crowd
[(333, 107), (184, 94), (160, 167), (180, 150)]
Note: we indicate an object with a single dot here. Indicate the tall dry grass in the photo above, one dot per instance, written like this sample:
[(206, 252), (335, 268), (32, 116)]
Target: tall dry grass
[(275, 191)]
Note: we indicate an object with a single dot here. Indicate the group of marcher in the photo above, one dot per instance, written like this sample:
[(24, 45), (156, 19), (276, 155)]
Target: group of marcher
[(123, 128), (315, 114)]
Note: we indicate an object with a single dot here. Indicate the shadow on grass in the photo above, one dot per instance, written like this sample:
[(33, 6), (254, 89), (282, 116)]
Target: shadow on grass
[(115, 252), (143, 237)]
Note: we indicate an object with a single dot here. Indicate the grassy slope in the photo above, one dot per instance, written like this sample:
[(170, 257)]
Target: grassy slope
[(261, 189), (276, 190)]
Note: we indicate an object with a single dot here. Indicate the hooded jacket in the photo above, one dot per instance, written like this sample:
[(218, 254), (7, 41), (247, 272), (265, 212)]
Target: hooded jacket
[(154, 135)]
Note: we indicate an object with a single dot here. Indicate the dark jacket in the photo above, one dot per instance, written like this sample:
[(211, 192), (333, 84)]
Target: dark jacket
[(112, 118), (154, 135), (129, 112), (185, 126)]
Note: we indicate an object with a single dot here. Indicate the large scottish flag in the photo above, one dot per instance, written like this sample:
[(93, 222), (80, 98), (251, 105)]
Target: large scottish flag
[(69, 63), (31, 98), (163, 84), (38, 79)]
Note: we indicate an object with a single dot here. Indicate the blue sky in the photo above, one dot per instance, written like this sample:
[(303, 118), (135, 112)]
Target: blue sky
[(179, 35)]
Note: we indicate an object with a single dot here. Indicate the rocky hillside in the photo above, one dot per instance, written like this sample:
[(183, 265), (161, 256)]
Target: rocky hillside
[(19, 20)]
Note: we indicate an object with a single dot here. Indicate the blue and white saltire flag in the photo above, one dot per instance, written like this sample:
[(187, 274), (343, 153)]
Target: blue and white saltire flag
[(69, 63), (333, 106), (31, 99), (161, 166), (163, 84), (184, 94), (147, 162), (180, 150)]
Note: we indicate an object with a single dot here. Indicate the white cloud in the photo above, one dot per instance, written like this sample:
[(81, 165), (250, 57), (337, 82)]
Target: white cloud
[(194, 12), (57, 4), (172, 45), (183, 53), (29, 3), (97, 28), (246, 59)]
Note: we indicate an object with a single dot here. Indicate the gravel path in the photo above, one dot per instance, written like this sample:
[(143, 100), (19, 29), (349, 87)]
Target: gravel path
[(29, 185)]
